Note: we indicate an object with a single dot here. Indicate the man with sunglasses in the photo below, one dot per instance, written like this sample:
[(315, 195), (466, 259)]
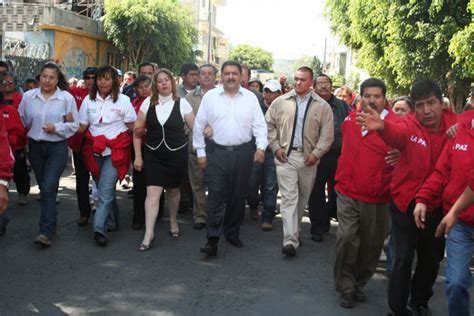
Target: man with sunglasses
[(11, 95), (75, 143)]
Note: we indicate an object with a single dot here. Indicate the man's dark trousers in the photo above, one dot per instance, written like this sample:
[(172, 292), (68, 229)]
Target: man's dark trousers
[(320, 211), (82, 185), (227, 177), (408, 239)]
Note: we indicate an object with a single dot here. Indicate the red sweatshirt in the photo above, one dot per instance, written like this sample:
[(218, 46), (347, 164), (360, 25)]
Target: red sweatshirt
[(15, 100), (75, 141), (449, 179), (6, 158), (137, 103), (420, 149), (120, 147), (14, 127), (362, 173)]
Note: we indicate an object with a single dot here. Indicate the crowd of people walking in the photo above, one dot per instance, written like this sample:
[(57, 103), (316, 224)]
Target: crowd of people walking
[(399, 172)]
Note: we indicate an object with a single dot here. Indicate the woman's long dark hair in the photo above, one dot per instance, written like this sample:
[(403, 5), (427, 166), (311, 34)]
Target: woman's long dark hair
[(62, 82), (102, 72)]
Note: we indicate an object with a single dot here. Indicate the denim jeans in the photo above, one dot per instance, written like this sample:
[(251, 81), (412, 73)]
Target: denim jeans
[(459, 248), (263, 177), (48, 160), (107, 209)]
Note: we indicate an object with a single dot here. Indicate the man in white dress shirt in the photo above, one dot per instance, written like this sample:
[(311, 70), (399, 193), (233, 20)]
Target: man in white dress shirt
[(235, 116)]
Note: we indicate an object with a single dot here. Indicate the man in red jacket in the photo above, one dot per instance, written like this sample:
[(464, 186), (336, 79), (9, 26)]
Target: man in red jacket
[(362, 185), (449, 180), (420, 137), (6, 165)]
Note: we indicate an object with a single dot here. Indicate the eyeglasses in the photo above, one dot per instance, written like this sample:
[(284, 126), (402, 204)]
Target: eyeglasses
[(8, 82), (89, 77), (323, 84)]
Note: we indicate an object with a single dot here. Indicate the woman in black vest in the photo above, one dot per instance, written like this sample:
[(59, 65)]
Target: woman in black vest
[(164, 116)]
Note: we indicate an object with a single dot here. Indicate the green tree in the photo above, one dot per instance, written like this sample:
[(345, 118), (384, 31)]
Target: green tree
[(254, 57), (401, 41), (156, 30), (316, 65)]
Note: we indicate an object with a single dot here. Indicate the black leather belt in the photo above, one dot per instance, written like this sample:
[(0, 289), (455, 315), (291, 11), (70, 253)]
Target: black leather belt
[(230, 148)]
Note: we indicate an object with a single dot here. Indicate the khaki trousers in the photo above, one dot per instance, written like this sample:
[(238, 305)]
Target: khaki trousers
[(295, 181), (199, 190), (359, 241)]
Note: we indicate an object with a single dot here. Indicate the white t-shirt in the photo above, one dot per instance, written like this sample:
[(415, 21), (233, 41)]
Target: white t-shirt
[(165, 107), (106, 117)]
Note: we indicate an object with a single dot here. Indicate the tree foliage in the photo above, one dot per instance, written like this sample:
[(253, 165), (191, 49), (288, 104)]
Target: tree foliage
[(254, 57), (155, 30), (401, 41)]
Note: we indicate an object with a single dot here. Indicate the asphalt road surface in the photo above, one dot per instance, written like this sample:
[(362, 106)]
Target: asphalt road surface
[(76, 277)]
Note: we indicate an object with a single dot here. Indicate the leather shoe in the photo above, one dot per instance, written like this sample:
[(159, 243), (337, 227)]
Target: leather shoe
[(317, 237), (266, 227), (199, 226), (100, 239), (347, 300), (210, 249), (359, 295), (236, 242), (83, 221), (288, 250)]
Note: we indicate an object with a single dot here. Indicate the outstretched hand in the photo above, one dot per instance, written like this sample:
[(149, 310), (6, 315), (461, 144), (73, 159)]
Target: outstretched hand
[(369, 120)]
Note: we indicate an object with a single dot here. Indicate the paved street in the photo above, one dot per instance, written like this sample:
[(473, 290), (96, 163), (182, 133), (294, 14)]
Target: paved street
[(76, 277)]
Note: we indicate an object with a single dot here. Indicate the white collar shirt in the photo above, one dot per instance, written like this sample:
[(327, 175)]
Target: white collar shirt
[(36, 112), (233, 119), (383, 114)]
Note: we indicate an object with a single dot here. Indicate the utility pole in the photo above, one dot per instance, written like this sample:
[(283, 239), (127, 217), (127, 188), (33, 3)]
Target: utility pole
[(209, 20), (324, 56)]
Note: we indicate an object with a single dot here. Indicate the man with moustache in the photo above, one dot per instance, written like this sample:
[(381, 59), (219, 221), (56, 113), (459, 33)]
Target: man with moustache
[(300, 132), (420, 138), (235, 116), (362, 186), (207, 78), (320, 211)]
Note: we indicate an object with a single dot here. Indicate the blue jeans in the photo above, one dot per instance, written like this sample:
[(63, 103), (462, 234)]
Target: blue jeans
[(459, 248), (48, 160), (107, 209), (263, 177)]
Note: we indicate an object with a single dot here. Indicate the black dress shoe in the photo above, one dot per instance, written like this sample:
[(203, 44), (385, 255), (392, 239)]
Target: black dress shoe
[(100, 239), (347, 300), (317, 237), (83, 221), (289, 250), (236, 242), (210, 249), (199, 226), (136, 226)]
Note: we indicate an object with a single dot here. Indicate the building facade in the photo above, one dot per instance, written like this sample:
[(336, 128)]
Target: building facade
[(33, 33)]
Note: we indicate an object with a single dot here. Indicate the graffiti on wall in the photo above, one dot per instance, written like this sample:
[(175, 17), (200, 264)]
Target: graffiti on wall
[(75, 61)]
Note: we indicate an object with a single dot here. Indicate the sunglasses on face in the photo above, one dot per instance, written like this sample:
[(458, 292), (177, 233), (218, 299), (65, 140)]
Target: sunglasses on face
[(8, 82), (89, 77)]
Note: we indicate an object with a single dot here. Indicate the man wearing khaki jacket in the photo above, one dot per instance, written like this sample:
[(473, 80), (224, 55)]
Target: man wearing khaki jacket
[(300, 132)]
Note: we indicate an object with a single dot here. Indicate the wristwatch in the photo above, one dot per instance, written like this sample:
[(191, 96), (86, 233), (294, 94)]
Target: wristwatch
[(4, 182)]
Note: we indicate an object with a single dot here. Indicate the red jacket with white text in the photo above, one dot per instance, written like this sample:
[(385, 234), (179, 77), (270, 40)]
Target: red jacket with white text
[(76, 140), (120, 146), (420, 149), (451, 175), (6, 157), (14, 127), (362, 173)]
